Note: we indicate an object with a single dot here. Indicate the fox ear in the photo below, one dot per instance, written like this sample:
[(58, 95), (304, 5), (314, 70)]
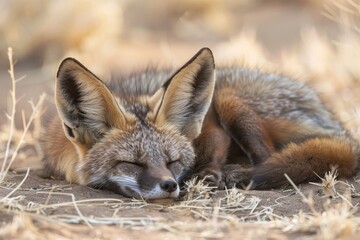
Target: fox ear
[(85, 105), (185, 98)]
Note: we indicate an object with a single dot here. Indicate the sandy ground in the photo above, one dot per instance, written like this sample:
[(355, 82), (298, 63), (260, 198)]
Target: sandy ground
[(115, 217)]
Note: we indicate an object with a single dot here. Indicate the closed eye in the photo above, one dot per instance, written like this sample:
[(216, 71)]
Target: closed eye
[(174, 162), (142, 165)]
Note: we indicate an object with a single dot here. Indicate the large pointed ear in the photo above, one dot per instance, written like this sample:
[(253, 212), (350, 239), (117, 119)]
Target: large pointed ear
[(185, 98), (86, 106)]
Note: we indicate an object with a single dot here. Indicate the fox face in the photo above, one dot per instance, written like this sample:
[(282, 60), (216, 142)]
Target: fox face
[(135, 145), (144, 162)]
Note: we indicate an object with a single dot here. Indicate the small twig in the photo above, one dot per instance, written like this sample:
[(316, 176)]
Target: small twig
[(307, 200), (12, 113), (27, 127), (19, 185)]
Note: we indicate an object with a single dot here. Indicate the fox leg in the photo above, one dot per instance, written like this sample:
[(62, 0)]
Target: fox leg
[(238, 123), (245, 127), (211, 148)]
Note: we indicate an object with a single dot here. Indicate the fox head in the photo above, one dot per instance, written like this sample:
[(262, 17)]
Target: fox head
[(138, 148)]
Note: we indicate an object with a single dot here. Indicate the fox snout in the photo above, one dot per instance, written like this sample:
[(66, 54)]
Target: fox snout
[(158, 182), (151, 189), (169, 186), (165, 189)]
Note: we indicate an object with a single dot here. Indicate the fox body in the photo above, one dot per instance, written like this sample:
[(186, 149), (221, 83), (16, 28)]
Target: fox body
[(143, 134)]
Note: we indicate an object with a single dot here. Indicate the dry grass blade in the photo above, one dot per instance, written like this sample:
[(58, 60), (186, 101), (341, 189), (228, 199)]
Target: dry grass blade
[(328, 182), (335, 222), (8, 202), (35, 111), (233, 197), (19, 185), (12, 114), (308, 200), (196, 189)]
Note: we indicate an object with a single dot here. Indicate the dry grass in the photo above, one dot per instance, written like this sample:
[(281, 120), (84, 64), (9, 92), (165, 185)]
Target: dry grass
[(328, 183), (336, 221), (11, 153)]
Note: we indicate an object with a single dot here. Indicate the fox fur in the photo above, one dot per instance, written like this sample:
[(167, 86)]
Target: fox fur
[(143, 134)]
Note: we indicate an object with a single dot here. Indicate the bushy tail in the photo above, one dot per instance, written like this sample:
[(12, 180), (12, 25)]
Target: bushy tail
[(302, 162)]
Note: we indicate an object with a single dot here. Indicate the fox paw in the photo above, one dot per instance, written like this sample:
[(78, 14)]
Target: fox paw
[(210, 178), (236, 176)]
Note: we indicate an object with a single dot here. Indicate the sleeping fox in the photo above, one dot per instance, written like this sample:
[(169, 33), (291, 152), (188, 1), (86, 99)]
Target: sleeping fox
[(143, 134)]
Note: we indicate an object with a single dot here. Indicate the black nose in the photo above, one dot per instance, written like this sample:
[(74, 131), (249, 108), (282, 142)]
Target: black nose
[(169, 185)]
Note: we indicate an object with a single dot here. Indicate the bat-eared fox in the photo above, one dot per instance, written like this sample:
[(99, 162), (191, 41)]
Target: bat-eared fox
[(141, 135)]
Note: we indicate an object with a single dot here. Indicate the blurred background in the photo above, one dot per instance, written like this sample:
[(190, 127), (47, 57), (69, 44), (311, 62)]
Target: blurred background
[(316, 41)]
